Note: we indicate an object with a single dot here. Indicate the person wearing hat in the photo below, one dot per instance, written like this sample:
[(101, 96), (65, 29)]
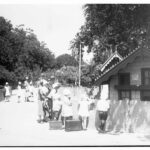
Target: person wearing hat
[(67, 112), (7, 92), (51, 95), (42, 102)]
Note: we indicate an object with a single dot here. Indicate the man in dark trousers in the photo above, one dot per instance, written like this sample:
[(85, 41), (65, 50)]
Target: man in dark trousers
[(103, 108)]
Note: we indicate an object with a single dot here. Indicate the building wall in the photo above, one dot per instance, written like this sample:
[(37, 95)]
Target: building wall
[(113, 94), (131, 115), (134, 69)]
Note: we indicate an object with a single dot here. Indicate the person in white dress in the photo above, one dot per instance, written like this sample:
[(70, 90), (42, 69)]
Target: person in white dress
[(7, 92), (57, 105), (83, 111), (67, 111)]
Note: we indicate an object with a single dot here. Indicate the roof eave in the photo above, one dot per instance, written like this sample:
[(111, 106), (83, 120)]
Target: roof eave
[(114, 69)]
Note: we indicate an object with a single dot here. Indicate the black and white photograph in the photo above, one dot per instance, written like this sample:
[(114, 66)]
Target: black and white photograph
[(74, 74)]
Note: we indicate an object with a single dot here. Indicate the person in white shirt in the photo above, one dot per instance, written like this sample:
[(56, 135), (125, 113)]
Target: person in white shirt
[(67, 112), (103, 108), (83, 111), (51, 95)]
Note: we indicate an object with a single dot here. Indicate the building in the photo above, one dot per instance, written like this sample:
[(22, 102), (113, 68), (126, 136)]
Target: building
[(128, 79)]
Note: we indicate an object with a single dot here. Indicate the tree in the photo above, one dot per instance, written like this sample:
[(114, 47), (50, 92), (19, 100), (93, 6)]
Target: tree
[(22, 54), (110, 27), (65, 60), (68, 75)]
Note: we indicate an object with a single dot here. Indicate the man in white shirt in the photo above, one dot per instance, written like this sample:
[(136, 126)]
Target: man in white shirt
[(103, 108), (51, 95)]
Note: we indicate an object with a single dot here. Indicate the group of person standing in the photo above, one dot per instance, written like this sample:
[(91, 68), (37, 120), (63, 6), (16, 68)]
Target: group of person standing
[(50, 102), (25, 94), (60, 107), (53, 106)]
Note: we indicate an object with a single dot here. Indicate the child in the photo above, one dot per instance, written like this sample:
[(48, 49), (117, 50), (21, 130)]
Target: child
[(67, 112), (83, 111), (57, 104)]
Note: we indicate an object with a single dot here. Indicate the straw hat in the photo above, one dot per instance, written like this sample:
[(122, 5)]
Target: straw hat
[(56, 85), (44, 82), (52, 77)]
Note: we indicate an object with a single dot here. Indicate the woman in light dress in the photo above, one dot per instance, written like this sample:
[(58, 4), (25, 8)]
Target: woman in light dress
[(57, 106), (7, 92), (83, 111), (67, 111)]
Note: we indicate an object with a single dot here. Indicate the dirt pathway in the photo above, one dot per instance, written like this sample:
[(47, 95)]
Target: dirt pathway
[(18, 127)]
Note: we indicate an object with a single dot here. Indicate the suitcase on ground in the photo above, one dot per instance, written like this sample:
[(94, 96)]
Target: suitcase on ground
[(55, 125), (73, 125)]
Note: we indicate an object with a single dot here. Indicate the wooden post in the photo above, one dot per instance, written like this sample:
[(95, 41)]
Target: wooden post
[(80, 50)]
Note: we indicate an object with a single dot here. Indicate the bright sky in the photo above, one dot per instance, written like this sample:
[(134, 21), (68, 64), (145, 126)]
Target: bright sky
[(55, 24)]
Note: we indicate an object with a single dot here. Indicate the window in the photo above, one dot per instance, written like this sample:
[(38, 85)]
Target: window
[(135, 95), (145, 79), (145, 95), (146, 76), (124, 94), (124, 79)]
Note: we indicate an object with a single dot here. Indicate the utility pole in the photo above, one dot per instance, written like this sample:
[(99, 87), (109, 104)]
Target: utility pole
[(80, 51)]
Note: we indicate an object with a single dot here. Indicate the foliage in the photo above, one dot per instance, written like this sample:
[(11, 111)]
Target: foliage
[(22, 54), (67, 75), (110, 27), (87, 74), (65, 60)]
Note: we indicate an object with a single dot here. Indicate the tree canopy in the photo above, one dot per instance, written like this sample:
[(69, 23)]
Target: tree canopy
[(21, 53), (65, 60), (110, 27)]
